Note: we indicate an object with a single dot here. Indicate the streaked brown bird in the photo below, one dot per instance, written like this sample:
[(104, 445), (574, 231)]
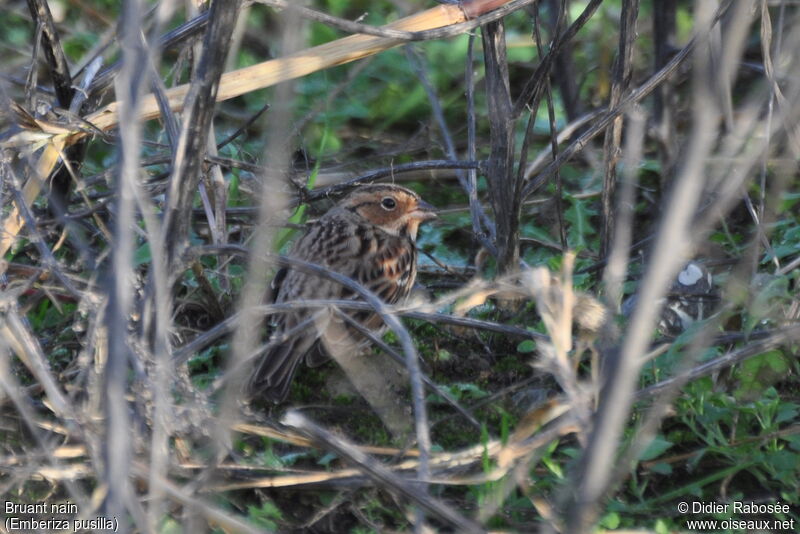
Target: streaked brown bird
[(369, 236)]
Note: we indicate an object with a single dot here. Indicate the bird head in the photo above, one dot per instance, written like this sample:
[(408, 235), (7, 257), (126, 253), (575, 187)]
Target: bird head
[(394, 209)]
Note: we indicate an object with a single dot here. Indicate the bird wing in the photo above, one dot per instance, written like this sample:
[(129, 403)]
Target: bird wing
[(326, 242), (384, 264)]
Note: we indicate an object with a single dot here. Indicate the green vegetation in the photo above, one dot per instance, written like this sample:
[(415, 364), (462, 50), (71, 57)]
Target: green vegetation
[(728, 432)]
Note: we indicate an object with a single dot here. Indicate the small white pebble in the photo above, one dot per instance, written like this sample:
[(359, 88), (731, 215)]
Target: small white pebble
[(690, 274)]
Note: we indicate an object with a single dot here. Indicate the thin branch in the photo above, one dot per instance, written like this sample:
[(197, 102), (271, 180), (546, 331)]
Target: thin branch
[(536, 81), (623, 67), (778, 338), (118, 447), (59, 70), (380, 473), (603, 122), (488, 236), (198, 112), (500, 175), (397, 357), (384, 172)]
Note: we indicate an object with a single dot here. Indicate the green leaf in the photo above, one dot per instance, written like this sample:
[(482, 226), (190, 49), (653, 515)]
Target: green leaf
[(580, 227), (265, 516), (234, 195), (554, 467), (170, 526), (610, 520), (656, 448), (759, 373), (662, 527), (465, 390), (299, 216), (661, 468), (794, 442), (527, 346), (142, 255), (403, 102), (327, 459)]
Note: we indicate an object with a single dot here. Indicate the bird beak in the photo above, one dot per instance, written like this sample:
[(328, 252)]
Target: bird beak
[(424, 211)]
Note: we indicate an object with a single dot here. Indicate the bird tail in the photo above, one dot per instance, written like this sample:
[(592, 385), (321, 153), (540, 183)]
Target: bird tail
[(273, 374)]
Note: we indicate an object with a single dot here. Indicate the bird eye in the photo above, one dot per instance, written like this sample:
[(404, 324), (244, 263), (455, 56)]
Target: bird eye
[(389, 203)]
